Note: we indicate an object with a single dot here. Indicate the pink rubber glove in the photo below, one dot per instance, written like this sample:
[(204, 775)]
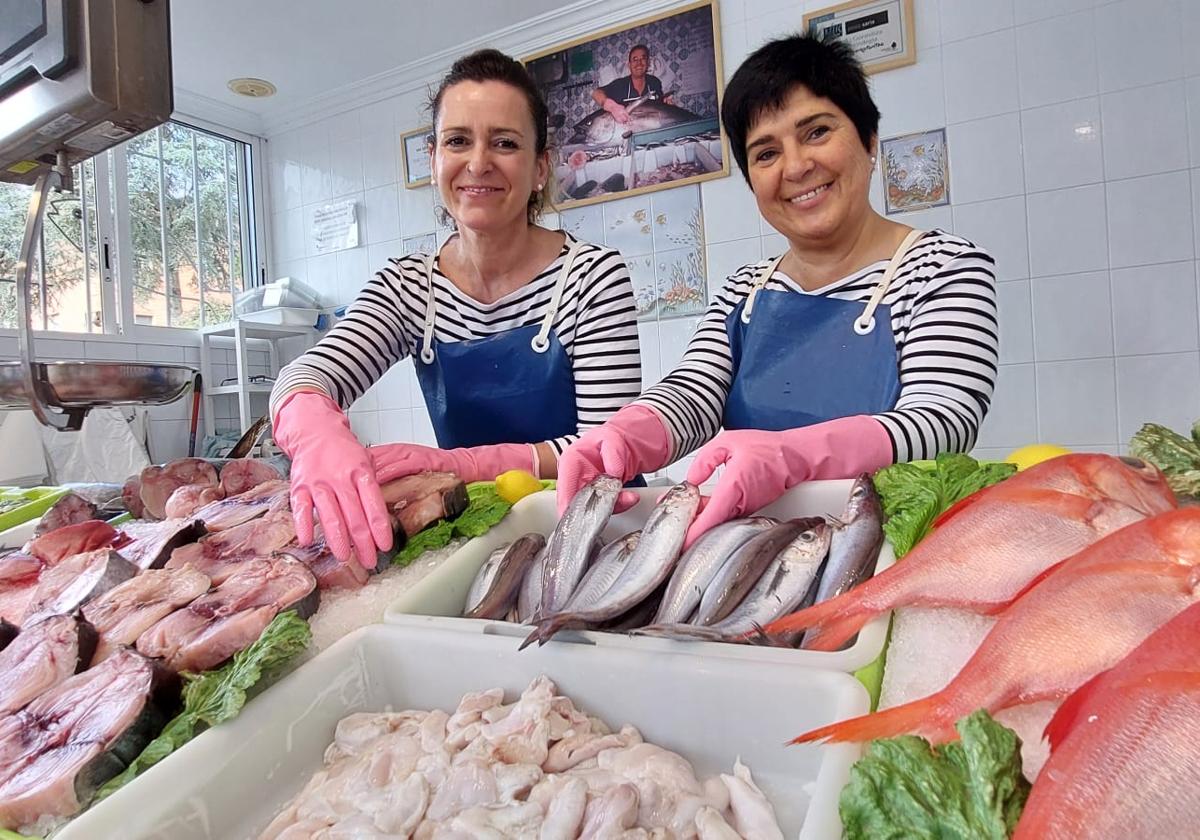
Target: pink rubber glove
[(475, 463), (761, 466), (331, 470), (633, 441)]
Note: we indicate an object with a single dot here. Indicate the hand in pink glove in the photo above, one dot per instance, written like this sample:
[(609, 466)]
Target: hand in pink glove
[(761, 466), (331, 470), (633, 441), (475, 463)]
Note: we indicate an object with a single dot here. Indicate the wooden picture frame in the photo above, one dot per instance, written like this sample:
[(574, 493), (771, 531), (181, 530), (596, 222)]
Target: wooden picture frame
[(882, 33), (414, 155), (675, 136)]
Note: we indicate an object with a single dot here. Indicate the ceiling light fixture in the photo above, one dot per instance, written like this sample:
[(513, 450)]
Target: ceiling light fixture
[(255, 88)]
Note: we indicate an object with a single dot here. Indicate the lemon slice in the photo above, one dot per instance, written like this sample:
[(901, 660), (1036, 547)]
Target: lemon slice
[(514, 485), (1027, 456)]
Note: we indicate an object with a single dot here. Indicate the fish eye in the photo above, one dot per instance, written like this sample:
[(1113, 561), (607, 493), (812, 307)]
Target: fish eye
[(1136, 463)]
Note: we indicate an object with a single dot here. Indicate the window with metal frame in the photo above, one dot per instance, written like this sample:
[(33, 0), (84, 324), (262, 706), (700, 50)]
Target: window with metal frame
[(157, 232)]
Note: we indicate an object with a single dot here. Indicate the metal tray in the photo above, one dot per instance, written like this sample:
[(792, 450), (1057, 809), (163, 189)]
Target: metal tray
[(85, 385)]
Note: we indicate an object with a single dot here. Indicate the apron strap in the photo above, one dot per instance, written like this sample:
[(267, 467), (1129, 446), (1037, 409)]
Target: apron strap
[(759, 282), (541, 341), (430, 310), (865, 323)]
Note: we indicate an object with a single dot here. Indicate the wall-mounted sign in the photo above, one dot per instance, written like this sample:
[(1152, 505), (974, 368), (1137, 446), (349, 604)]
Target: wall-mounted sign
[(334, 227), (879, 31)]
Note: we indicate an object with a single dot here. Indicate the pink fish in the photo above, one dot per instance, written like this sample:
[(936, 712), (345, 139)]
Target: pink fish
[(1083, 617), (1125, 758), (988, 548)]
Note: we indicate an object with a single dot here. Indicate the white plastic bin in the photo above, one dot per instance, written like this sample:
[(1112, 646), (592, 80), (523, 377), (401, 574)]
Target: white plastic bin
[(230, 782), (444, 591)]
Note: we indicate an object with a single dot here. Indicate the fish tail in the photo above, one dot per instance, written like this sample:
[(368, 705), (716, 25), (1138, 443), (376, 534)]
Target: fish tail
[(832, 622), (535, 636), (547, 627), (925, 717)]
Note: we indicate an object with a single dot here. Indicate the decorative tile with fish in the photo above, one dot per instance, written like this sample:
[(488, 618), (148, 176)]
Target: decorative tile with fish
[(916, 171), (584, 223), (682, 290), (678, 221), (645, 286), (628, 226)]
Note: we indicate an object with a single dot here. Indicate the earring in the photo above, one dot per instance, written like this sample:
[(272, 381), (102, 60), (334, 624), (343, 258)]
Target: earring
[(539, 186), (872, 160)]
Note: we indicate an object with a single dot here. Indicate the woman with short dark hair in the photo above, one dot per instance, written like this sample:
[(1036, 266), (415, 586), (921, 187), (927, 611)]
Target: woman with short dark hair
[(522, 337), (864, 344)]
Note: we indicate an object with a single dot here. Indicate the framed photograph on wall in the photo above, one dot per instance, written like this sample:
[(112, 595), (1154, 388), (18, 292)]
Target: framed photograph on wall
[(635, 108), (879, 31), (414, 146)]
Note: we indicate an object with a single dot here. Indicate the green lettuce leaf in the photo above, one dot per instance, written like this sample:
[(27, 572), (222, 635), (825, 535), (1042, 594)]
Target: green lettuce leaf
[(1177, 456), (914, 496), (483, 513), (216, 696), (971, 789)]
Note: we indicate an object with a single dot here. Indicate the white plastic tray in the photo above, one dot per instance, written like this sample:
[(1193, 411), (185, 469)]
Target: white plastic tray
[(231, 781), (18, 535), (444, 591), (282, 316)]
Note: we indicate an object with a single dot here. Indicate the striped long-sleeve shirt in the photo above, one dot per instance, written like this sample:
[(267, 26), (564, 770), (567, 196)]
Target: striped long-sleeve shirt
[(596, 324), (943, 313)]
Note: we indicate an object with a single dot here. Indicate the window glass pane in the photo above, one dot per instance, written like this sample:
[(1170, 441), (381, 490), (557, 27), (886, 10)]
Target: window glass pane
[(220, 242), (71, 281), (64, 270), (149, 286), (179, 209), (14, 202)]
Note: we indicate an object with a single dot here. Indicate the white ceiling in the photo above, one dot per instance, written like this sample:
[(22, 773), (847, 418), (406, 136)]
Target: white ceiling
[(312, 47)]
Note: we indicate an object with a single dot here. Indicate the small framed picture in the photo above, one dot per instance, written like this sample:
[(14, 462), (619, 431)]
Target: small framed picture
[(879, 31), (415, 145), (916, 171)]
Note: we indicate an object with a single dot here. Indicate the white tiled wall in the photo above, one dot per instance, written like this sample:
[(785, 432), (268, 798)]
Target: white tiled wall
[(169, 425), (1074, 142)]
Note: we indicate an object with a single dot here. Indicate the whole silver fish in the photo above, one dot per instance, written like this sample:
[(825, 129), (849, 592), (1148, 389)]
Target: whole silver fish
[(484, 577), (649, 565), (603, 572), (741, 571), (529, 599), (783, 586), (570, 546), (700, 564), (856, 542), (502, 589)]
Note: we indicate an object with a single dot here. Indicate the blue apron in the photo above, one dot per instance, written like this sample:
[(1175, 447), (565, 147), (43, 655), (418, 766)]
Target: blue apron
[(513, 387), (811, 358)]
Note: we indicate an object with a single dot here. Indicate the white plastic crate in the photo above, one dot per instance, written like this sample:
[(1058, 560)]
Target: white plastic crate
[(444, 591), (232, 780)]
